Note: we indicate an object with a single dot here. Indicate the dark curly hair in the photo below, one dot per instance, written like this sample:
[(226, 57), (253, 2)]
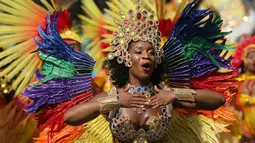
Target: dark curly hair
[(119, 73)]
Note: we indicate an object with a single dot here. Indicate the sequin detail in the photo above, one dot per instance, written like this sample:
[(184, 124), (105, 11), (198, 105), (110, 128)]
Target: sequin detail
[(123, 129)]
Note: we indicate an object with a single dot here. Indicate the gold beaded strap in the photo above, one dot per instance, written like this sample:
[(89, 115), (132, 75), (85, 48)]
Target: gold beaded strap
[(184, 95), (109, 103)]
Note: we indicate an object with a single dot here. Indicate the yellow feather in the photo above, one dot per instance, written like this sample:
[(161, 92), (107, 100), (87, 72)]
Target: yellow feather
[(90, 21), (120, 6), (18, 10), (92, 9), (92, 43), (110, 21), (11, 19), (195, 129), (114, 15), (88, 11), (28, 74), (20, 66), (19, 47), (15, 38), (111, 28), (106, 40), (91, 36), (10, 59), (21, 76), (106, 36), (14, 29), (96, 131), (112, 7), (92, 30), (12, 66), (148, 4), (128, 4), (33, 7), (47, 5)]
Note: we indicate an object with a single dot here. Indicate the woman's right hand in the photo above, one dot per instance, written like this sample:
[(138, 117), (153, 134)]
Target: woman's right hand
[(131, 100)]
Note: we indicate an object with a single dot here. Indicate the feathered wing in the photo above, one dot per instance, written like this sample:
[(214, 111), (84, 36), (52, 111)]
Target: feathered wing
[(194, 54), (193, 49), (65, 80)]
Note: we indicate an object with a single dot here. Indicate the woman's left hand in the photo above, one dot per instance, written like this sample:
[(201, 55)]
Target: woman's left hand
[(162, 98)]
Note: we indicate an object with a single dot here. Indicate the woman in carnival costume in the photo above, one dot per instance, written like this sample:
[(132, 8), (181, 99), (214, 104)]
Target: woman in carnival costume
[(244, 62)]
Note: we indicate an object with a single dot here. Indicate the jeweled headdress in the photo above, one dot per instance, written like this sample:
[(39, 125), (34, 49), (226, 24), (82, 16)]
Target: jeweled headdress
[(140, 24)]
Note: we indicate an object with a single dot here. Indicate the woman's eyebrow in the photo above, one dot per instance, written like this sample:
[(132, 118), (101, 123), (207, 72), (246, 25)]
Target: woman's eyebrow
[(140, 47)]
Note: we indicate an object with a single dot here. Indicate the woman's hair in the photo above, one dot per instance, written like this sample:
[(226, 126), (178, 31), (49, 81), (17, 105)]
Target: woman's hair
[(242, 70), (119, 73)]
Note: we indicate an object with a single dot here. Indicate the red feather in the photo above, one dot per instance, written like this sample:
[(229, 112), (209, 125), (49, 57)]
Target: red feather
[(165, 27), (52, 116), (64, 21)]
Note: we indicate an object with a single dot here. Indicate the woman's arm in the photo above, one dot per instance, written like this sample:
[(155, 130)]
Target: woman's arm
[(87, 111), (204, 100), (192, 99), (84, 112)]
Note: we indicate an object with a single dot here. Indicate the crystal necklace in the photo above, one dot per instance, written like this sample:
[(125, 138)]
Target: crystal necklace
[(148, 90)]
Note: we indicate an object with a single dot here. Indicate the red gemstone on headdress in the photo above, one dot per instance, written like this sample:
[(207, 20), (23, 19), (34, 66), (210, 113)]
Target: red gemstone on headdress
[(130, 11), (145, 12), (119, 48), (124, 54), (151, 22), (126, 21), (159, 33), (115, 33), (139, 16)]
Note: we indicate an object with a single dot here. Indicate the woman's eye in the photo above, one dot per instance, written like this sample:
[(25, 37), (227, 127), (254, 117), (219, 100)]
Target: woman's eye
[(138, 52), (152, 53), (71, 45)]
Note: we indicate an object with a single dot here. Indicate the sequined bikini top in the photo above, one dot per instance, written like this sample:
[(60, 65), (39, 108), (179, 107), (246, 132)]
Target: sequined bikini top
[(123, 129), (155, 129)]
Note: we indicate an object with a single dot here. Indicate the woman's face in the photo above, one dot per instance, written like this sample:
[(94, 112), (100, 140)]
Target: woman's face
[(74, 44), (250, 62), (143, 59)]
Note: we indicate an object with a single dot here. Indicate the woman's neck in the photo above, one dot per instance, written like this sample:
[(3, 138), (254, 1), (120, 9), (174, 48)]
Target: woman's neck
[(139, 82)]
